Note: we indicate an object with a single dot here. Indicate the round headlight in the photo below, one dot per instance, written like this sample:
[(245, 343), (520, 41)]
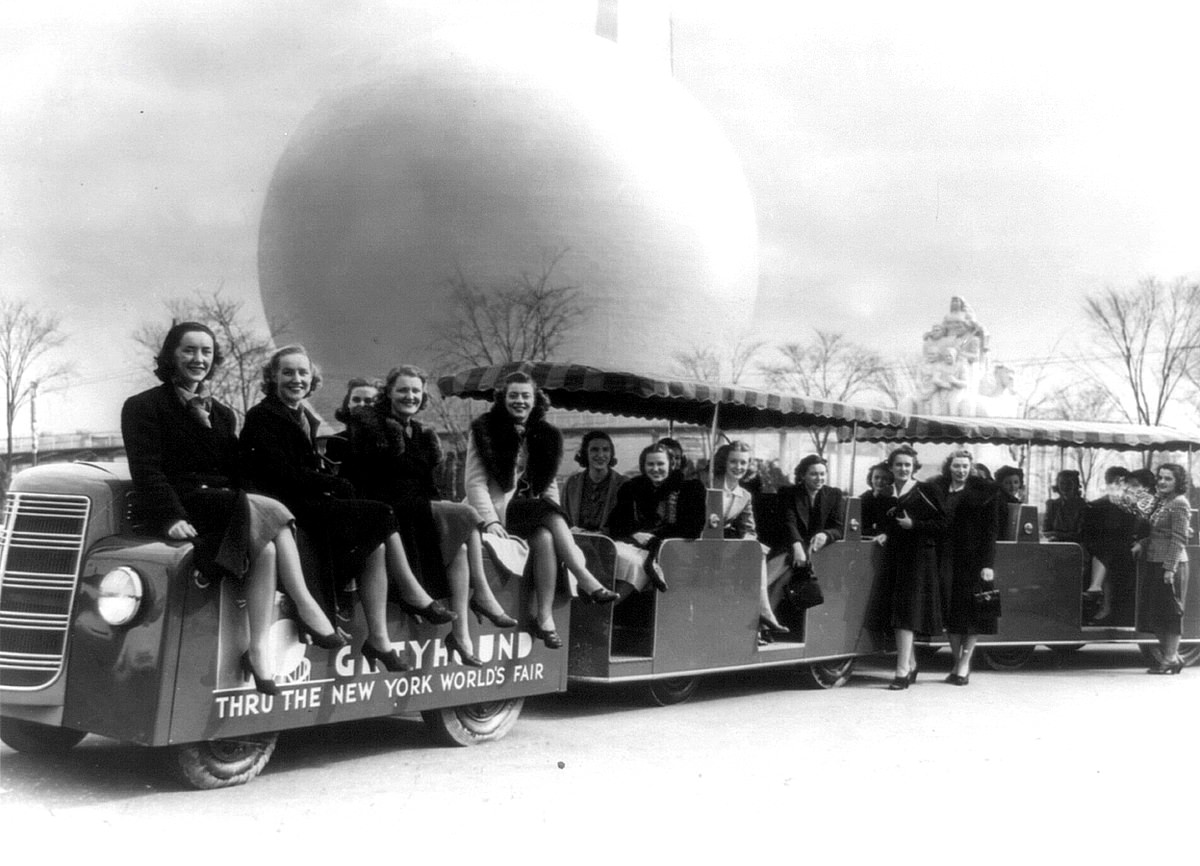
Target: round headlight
[(120, 595)]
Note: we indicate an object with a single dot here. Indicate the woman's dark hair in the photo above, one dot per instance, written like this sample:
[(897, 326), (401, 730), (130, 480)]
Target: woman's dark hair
[(980, 470), (383, 400), (721, 458), (271, 369), (804, 465), (879, 467), (1181, 476), (164, 361), (655, 448), (1066, 475), (342, 413), (1006, 472), (590, 437), (679, 460), (957, 452), (1113, 474), (541, 403), (904, 449), (1143, 477)]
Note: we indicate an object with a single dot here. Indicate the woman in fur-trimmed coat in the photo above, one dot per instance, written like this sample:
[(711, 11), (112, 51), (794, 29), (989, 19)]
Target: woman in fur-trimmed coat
[(513, 457)]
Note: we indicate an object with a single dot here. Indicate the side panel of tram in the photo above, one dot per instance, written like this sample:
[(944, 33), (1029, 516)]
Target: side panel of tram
[(172, 674)]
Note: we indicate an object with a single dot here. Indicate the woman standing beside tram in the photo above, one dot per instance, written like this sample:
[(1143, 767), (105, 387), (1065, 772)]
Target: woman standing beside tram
[(971, 505), (1164, 582), (392, 457), (910, 569), (513, 456), (183, 456), (354, 538)]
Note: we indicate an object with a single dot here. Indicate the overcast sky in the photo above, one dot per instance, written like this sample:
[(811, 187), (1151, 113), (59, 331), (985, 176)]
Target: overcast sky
[(1019, 155)]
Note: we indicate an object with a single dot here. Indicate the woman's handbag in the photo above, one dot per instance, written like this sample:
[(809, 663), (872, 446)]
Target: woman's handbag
[(987, 601), (803, 590)]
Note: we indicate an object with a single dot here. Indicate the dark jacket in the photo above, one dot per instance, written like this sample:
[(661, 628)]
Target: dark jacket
[(171, 454), (497, 442), (795, 515), (674, 509), (382, 463)]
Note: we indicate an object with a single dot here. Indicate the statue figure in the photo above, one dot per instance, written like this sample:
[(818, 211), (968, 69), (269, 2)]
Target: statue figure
[(954, 359)]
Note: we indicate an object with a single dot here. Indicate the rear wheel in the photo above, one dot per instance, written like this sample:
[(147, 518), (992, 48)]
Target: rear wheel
[(473, 723), (37, 739), (1189, 652), (674, 690), (1006, 658), (221, 763), (829, 675)]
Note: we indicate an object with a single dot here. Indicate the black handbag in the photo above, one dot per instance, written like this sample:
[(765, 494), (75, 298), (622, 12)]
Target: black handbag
[(803, 591), (987, 601)]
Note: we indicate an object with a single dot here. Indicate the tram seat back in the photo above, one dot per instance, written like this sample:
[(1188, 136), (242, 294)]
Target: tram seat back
[(1021, 524)]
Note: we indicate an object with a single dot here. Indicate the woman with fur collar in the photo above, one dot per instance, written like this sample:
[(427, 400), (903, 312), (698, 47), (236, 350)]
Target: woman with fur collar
[(392, 457), (513, 456)]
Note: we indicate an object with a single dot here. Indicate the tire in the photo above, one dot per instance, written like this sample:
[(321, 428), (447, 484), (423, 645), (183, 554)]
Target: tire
[(829, 675), (36, 739), (673, 690), (221, 763), (1189, 652), (472, 724), (1006, 658)]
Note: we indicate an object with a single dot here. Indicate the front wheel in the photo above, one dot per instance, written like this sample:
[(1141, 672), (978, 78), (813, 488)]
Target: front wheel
[(829, 675), (1006, 658), (36, 739), (473, 723), (221, 763), (673, 690), (1189, 652)]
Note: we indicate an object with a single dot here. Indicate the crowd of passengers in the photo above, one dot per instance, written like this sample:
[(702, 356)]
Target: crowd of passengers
[(374, 520)]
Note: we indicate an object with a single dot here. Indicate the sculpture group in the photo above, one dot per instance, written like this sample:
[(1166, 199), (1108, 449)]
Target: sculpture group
[(951, 378)]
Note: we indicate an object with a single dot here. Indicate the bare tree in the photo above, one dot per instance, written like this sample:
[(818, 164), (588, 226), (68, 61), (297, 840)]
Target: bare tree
[(1086, 401), (245, 345), (529, 318), (830, 367), (26, 336), (712, 364), (1153, 329)]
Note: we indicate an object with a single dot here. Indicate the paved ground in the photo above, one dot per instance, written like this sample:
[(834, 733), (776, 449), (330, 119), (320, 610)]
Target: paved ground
[(1084, 759)]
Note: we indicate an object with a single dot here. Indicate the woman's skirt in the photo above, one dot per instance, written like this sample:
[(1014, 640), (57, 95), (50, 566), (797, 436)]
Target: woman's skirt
[(962, 616), (346, 532), (524, 514), (630, 565), (234, 528), (454, 522), (1160, 604)]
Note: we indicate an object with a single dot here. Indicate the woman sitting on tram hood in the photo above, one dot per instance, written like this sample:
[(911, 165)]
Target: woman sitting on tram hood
[(590, 496), (359, 392), (513, 456), (657, 505), (353, 538), (392, 457), (730, 465), (183, 456)]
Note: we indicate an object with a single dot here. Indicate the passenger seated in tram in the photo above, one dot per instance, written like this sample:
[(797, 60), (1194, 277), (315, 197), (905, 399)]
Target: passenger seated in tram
[(392, 457), (979, 470), (657, 505), (1139, 492), (1012, 492), (352, 538), (680, 462), (513, 456), (359, 392), (1064, 516), (1108, 535), (812, 516), (730, 464), (590, 495), (878, 500), (183, 456)]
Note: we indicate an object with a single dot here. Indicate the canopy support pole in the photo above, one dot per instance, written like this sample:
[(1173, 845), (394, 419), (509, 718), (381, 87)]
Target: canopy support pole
[(853, 454), (712, 443)]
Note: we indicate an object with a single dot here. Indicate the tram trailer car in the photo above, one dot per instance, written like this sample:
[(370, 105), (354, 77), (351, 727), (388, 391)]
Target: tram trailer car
[(109, 631)]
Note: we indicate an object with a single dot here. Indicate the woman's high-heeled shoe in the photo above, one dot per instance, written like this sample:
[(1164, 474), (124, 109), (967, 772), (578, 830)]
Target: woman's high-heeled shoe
[(468, 659), (900, 683), (390, 659), (547, 636), (599, 595), (499, 620), (434, 612), (912, 673), (266, 685), (334, 640), (773, 627)]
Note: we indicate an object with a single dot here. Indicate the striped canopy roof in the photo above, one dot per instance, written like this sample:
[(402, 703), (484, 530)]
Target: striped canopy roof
[(1038, 431), (573, 386)]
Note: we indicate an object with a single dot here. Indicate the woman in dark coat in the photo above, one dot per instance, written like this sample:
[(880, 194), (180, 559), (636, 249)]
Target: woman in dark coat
[(353, 539), (359, 392), (183, 456), (878, 500), (968, 556), (910, 569), (392, 457)]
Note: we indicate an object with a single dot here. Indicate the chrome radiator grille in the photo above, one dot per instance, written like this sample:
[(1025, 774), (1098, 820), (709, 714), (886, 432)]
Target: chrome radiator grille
[(41, 547)]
